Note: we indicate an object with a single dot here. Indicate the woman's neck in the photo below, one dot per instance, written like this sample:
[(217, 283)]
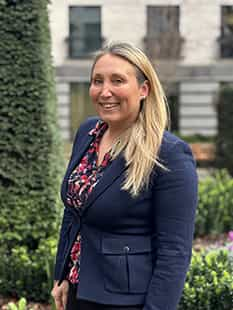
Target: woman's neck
[(114, 132)]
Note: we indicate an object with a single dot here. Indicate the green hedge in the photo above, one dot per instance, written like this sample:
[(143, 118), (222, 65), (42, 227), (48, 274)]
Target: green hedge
[(30, 166), (215, 207), (209, 283), (224, 145)]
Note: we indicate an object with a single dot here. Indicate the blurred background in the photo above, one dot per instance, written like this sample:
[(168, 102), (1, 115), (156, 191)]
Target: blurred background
[(46, 52), (190, 43)]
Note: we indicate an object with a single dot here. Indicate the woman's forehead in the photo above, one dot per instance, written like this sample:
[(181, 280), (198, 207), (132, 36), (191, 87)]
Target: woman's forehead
[(113, 64)]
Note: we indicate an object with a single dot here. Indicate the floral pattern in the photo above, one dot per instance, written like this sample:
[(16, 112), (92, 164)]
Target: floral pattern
[(80, 184)]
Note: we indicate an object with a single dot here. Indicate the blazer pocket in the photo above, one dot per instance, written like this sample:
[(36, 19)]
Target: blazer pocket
[(127, 264)]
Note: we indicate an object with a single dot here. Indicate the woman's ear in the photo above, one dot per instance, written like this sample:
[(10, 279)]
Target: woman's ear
[(144, 89)]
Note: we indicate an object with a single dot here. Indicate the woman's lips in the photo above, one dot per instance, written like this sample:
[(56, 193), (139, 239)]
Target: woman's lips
[(109, 106)]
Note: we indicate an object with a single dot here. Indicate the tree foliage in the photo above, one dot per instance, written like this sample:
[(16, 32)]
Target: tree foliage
[(225, 129), (30, 163)]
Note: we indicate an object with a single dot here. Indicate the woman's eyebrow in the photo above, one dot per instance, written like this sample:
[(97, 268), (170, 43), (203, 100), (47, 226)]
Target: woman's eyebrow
[(97, 75), (116, 74)]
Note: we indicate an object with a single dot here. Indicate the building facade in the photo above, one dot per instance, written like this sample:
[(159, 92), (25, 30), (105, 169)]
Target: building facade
[(190, 43)]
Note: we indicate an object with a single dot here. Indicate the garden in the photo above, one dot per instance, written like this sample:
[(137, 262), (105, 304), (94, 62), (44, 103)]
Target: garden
[(32, 165)]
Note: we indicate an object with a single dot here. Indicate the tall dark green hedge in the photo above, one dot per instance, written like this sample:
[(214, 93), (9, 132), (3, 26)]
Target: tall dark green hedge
[(224, 145), (30, 162)]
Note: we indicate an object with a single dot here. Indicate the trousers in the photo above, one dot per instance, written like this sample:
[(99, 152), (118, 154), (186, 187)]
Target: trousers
[(78, 304)]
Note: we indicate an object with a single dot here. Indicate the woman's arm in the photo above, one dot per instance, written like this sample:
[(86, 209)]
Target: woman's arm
[(63, 242), (66, 221), (68, 214), (174, 205)]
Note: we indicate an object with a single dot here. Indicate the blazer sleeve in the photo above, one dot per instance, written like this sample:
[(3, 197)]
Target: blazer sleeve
[(66, 222), (174, 204), (63, 242), (68, 215)]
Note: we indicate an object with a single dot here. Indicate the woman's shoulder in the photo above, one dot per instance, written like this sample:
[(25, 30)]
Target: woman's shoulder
[(171, 144), (88, 124), (86, 127), (170, 139)]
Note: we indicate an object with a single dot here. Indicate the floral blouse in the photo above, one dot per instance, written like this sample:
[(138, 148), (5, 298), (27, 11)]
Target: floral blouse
[(80, 184)]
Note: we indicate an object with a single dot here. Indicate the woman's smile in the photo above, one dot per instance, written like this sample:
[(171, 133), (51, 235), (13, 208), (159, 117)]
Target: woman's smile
[(110, 106)]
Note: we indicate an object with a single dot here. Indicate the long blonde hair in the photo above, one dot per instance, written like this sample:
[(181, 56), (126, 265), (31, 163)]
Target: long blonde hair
[(141, 142)]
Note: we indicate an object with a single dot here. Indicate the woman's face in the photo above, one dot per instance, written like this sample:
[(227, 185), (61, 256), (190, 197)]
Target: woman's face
[(115, 91)]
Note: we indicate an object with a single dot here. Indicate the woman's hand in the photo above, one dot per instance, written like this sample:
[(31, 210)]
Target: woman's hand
[(60, 294)]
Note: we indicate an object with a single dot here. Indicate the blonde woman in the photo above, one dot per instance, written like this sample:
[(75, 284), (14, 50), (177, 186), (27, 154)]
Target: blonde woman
[(130, 194)]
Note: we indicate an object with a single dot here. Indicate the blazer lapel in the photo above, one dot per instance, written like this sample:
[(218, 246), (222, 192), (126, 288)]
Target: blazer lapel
[(82, 148), (111, 173)]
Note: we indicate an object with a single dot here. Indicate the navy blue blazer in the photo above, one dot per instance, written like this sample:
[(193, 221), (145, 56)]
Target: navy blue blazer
[(134, 250)]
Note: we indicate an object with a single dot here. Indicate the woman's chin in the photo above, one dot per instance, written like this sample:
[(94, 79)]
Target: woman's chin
[(109, 117)]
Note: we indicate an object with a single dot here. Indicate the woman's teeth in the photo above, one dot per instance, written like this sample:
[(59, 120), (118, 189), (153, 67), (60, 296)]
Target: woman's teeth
[(109, 105)]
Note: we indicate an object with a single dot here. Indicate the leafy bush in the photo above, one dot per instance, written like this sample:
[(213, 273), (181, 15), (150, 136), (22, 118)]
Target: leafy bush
[(209, 282), (28, 274), (30, 166), (224, 145), (196, 138), (21, 305), (215, 207)]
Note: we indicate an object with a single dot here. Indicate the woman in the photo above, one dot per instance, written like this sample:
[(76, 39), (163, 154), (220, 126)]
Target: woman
[(130, 194)]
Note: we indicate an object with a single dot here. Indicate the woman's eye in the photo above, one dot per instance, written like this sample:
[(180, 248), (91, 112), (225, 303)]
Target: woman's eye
[(97, 81), (117, 81)]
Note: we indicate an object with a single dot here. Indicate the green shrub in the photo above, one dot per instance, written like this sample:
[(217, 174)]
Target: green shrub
[(21, 305), (224, 145), (28, 273), (215, 206), (209, 282), (30, 166), (196, 138)]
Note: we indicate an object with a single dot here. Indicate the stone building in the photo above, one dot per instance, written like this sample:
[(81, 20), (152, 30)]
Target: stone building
[(190, 43)]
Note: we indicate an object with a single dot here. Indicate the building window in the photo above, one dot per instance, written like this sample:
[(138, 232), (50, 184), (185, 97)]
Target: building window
[(85, 30), (226, 39), (81, 105), (163, 37)]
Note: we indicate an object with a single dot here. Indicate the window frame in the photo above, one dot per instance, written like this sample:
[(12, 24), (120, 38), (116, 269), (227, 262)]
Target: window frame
[(72, 51), (226, 41), (155, 44)]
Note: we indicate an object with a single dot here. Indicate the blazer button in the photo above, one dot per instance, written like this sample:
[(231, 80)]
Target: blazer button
[(126, 249)]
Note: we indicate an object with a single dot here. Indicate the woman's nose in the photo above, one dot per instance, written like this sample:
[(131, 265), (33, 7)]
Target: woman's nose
[(106, 91)]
